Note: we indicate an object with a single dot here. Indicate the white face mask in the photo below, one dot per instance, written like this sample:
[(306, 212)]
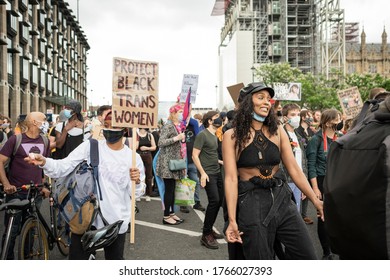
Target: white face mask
[(44, 127), (294, 121)]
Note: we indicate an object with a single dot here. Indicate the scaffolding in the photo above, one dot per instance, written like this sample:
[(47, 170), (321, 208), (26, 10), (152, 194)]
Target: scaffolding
[(332, 46), (248, 15), (300, 34)]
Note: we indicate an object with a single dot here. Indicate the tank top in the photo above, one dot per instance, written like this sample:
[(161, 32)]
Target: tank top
[(262, 154), (144, 141)]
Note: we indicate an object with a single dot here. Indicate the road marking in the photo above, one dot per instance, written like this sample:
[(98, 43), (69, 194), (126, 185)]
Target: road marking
[(199, 213), (168, 228)]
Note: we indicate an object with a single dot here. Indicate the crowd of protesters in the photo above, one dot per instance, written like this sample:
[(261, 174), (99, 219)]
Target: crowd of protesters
[(261, 163)]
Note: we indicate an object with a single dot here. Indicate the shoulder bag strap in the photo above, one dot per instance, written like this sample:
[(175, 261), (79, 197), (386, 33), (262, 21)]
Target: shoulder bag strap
[(94, 157), (17, 143)]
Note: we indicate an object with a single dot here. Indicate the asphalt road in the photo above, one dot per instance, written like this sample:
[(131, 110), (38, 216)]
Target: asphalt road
[(155, 241)]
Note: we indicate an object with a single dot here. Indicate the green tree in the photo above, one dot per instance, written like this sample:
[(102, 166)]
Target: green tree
[(366, 82), (316, 91)]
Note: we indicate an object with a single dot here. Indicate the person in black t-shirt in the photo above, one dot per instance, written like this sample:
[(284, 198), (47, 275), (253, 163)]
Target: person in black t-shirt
[(146, 145)]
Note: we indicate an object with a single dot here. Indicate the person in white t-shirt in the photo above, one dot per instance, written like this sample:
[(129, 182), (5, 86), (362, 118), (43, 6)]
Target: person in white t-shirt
[(115, 175), (71, 133), (291, 118)]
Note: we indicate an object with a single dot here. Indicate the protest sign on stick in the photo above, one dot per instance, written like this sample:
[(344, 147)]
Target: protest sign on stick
[(189, 81), (135, 93), (134, 104)]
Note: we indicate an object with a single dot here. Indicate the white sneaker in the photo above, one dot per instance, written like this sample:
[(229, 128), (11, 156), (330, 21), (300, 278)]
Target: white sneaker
[(138, 199), (147, 198)]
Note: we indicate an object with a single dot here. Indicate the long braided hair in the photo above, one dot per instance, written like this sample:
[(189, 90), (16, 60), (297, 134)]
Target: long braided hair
[(243, 119)]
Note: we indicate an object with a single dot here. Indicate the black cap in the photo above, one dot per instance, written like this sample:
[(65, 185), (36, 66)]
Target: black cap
[(74, 105), (252, 88)]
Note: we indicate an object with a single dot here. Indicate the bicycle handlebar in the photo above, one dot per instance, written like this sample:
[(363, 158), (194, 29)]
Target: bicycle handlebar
[(34, 186), (28, 187)]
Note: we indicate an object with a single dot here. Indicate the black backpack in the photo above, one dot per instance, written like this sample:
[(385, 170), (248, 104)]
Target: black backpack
[(357, 187)]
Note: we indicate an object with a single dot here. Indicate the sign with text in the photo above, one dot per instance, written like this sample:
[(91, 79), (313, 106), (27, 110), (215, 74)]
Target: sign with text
[(350, 101), (287, 91), (189, 81), (134, 93)]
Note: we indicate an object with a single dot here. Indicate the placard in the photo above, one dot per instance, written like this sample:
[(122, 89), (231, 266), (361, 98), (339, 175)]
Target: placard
[(189, 81), (234, 92), (135, 93), (350, 101), (287, 91)]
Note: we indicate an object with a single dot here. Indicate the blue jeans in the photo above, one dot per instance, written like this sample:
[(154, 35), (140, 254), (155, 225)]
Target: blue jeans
[(297, 195), (215, 194), (192, 173)]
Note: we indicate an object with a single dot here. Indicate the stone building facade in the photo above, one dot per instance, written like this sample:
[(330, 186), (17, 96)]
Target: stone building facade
[(368, 58), (43, 57)]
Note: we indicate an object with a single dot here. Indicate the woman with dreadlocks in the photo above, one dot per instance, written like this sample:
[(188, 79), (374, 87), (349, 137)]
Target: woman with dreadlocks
[(259, 202)]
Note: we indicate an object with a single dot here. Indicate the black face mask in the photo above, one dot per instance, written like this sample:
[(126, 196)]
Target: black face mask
[(338, 127), (113, 136), (279, 113), (217, 122)]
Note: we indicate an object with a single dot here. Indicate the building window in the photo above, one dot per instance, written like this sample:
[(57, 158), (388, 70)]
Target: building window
[(25, 69), (42, 79), (351, 68), (9, 63), (61, 90), (49, 83), (42, 48), (12, 24), (276, 7), (372, 68), (276, 28), (277, 48), (34, 71), (55, 86)]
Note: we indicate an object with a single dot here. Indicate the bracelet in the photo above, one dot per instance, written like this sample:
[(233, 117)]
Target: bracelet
[(138, 182)]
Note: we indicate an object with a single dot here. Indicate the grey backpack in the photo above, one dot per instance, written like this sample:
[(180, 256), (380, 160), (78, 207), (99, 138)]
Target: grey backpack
[(76, 193)]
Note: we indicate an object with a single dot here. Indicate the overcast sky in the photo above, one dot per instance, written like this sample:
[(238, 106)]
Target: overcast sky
[(178, 34)]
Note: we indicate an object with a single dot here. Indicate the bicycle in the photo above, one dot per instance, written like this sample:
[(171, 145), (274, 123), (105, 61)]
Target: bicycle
[(36, 236), (12, 208)]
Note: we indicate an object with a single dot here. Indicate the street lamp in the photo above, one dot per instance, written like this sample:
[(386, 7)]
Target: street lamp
[(253, 69), (216, 96)]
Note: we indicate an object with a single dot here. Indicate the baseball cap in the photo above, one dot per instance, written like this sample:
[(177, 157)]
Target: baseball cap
[(252, 88)]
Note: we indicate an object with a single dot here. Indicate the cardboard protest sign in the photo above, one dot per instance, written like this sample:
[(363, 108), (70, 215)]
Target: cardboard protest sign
[(189, 81), (287, 91), (350, 101), (135, 93), (234, 92)]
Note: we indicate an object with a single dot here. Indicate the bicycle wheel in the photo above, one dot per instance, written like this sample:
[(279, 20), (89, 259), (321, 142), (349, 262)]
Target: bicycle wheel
[(62, 233), (33, 242)]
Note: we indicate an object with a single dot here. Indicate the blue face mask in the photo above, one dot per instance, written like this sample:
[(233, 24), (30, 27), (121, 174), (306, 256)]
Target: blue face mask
[(67, 113), (180, 117), (258, 118)]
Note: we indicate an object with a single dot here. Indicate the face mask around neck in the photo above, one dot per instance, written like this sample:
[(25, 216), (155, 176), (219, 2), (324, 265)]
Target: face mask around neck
[(258, 118), (44, 127)]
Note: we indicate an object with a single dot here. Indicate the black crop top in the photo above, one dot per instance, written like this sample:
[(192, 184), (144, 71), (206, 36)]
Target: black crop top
[(262, 153)]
